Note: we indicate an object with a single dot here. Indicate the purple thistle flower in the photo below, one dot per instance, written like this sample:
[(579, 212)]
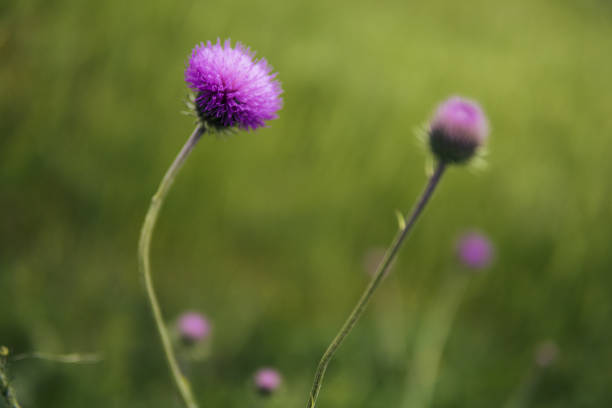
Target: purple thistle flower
[(267, 380), (232, 88), (459, 127), (475, 250), (193, 327)]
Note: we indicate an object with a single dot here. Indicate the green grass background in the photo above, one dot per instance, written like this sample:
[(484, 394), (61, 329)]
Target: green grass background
[(266, 232)]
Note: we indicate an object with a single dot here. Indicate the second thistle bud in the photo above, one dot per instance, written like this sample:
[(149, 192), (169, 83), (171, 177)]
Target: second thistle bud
[(458, 128)]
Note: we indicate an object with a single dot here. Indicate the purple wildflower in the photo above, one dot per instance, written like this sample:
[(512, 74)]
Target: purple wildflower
[(193, 327), (267, 380), (474, 250), (457, 129), (232, 88)]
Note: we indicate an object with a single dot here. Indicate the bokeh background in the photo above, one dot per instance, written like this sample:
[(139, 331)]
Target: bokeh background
[(267, 232)]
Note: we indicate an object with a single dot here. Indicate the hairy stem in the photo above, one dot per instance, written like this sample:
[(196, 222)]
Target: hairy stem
[(374, 283), (143, 257), (6, 389)]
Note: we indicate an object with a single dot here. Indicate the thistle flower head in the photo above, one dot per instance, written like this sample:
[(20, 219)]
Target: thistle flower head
[(459, 127), (233, 89), (193, 327), (267, 380), (474, 250)]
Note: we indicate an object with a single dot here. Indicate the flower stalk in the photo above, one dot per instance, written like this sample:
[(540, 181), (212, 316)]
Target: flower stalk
[(146, 234), (6, 389), (381, 271)]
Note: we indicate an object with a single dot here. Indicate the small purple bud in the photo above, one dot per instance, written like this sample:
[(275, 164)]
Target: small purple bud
[(546, 354), (459, 127), (193, 327), (474, 250), (232, 87), (267, 380)]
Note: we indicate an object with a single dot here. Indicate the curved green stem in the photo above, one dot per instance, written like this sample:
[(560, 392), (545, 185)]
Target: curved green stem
[(143, 257), (374, 283), (6, 389)]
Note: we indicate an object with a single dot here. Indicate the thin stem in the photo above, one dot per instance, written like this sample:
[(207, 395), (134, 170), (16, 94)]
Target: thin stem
[(72, 358), (6, 389), (374, 283), (143, 257)]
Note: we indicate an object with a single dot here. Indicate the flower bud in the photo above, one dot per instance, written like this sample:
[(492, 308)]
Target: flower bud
[(458, 128), (267, 380), (193, 327), (474, 250)]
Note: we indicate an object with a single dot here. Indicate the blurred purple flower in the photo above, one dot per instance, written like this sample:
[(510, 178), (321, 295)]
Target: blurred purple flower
[(457, 129), (546, 353), (193, 327), (475, 250), (267, 380), (232, 88)]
